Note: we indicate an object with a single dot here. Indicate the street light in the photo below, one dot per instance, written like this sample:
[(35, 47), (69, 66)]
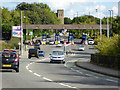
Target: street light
[(100, 26), (111, 21)]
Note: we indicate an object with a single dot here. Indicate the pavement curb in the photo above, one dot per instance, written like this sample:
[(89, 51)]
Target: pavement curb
[(76, 63)]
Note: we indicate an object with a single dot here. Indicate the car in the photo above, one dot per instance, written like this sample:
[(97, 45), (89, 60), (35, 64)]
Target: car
[(59, 45), (10, 60), (48, 36), (37, 46), (51, 42), (33, 53), (41, 53), (90, 41), (57, 56), (38, 42), (81, 47), (11, 50)]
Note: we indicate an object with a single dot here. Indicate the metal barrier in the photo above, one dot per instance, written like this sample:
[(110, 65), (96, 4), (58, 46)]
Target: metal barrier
[(107, 61)]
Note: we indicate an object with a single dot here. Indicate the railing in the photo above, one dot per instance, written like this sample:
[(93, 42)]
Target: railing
[(107, 61)]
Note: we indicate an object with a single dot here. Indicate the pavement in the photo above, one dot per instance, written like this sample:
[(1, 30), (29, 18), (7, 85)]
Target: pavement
[(97, 69)]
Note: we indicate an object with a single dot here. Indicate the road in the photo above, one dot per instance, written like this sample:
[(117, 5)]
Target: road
[(39, 73)]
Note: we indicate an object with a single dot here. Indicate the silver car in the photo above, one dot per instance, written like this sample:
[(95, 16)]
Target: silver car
[(57, 56), (81, 47)]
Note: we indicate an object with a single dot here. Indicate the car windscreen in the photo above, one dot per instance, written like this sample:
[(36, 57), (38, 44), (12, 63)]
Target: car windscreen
[(32, 50), (9, 55), (58, 53), (90, 40), (37, 45)]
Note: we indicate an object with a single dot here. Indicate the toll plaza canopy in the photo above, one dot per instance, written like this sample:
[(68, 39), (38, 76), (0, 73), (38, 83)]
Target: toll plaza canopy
[(65, 26)]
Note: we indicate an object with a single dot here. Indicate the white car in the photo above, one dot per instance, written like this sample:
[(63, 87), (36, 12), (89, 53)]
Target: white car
[(51, 42), (81, 47), (59, 45), (90, 41), (57, 56)]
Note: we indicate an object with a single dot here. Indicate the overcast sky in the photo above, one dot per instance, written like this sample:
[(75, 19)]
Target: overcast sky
[(71, 7)]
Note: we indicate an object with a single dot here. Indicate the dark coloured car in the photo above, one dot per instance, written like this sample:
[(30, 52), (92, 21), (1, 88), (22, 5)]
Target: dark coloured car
[(33, 53), (37, 46), (48, 36), (10, 60), (38, 42)]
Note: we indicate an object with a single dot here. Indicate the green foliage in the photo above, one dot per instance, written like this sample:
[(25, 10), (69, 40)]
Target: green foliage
[(14, 42), (109, 46), (67, 20)]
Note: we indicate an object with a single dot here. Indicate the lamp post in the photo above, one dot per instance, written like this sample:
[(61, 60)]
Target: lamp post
[(100, 26), (111, 21), (21, 35)]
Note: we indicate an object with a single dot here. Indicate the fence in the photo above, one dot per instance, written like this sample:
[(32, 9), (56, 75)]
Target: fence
[(107, 61)]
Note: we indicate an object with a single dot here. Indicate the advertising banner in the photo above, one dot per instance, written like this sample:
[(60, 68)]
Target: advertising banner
[(16, 31)]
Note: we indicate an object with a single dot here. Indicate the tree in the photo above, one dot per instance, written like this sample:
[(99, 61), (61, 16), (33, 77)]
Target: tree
[(67, 20)]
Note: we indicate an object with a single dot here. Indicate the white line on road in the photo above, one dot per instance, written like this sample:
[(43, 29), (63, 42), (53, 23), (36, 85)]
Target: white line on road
[(66, 85), (37, 74), (47, 79), (96, 77), (27, 67), (30, 70), (89, 75), (111, 80)]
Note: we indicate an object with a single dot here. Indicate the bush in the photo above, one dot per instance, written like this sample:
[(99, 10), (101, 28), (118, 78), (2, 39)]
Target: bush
[(14, 42), (108, 46)]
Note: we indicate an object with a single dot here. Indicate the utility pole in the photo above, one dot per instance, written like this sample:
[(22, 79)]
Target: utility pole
[(21, 36), (108, 27), (77, 14), (100, 25), (111, 21)]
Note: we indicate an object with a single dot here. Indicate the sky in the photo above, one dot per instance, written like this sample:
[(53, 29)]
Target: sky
[(72, 8)]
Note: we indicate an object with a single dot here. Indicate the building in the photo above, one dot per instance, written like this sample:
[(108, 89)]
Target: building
[(119, 8), (60, 15)]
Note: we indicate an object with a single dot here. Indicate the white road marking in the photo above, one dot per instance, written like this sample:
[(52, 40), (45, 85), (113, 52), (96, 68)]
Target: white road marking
[(66, 85), (27, 67), (47, 79), (37, 74), (89, 75), (111, 80), (30, 70), (96, 77)]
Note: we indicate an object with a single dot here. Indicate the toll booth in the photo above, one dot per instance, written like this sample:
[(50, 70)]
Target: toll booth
[(57, 38), (44, 39), (71, 39), (84, 39)]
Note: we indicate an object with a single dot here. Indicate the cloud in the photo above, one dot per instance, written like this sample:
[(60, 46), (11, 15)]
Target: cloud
[(115, 10), (71, 13)]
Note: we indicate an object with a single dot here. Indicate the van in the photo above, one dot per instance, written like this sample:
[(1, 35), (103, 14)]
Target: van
[(33, 53)]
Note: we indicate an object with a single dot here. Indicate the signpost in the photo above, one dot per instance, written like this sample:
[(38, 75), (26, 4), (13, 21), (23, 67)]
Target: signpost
[(19, 46)]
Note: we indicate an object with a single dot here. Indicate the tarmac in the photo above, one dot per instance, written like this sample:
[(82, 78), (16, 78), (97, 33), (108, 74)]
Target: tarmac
[(98, 69), (85, 64)]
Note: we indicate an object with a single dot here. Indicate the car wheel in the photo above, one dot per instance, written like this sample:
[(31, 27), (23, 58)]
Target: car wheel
[(17, 70), (37, 57), (50, 61), (29, 57), (63, 62)]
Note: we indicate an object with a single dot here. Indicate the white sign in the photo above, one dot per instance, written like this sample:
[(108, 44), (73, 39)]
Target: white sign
[(16, 31)]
